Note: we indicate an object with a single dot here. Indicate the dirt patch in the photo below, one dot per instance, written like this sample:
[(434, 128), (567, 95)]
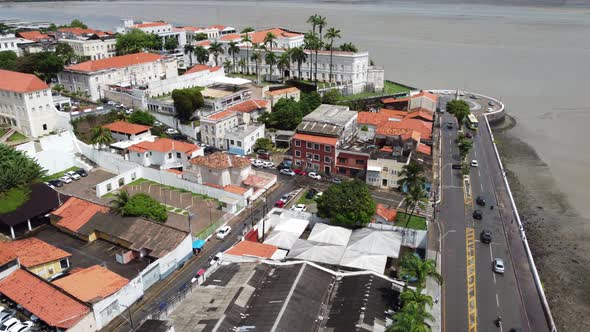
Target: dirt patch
[(557, 234)]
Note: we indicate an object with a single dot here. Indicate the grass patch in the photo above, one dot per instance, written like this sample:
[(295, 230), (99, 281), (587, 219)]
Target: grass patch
[(416, 222), (139, 181), (392, 88), (304, 200), (177, 210), (169, 208), (185, 213), (109, 195), (3, 131), (16, 137), (13, 198), (58, 174)]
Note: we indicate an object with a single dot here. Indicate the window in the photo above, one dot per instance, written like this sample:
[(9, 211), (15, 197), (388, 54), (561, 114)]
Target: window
[(385, 169), (360, 162), (309, 145), (239, 143), (316, 146), (170, 155), (178, 155), (327, 160), (297, 153), (316, 157), (308, 155), (297, 142), (44, 127), (138, 154), (231, 142), (342, 160), (327, 148)]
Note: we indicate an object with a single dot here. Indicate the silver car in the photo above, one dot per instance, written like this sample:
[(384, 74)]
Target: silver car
[(498, 265)]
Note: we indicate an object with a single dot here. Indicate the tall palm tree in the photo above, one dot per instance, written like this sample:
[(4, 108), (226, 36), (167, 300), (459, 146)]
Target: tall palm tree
[(321, 23), (409, 296), (271, 59), (313, 19), (202, 54), (119, 202), (189, 49), (247, 40), (413, 266), (411, 175), (215, 49), (284, 63), (411, 318), (299, 56), (257, 58), (241, 65), (310, 42), (101, 136), (227, 65), (233, 50), (332, 34), (415, 197)]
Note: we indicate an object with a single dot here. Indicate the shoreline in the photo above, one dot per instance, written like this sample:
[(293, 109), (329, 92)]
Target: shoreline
[(554, 229)]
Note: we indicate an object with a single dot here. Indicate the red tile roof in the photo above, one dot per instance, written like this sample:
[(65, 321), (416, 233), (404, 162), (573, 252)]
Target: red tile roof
[(218, 27), (282, 91), (258, 36), (126, 127), (42, 299), (6, 256), (203, 43), (393, 129), (221, 115), (230, 188), (33, 35), (231, 36), (249, 105), (421, 113), (92, 284), (425, 94), (220, 160), (164, 145), (79, 31), (374, 118), (249, 248), (32, 251), (385, 213), (407, 120), (316, 139), (216, 68), (197, 68), (20, 82), (425, 149), (175, 171), (115, 62), (76, 212), (149, 25)]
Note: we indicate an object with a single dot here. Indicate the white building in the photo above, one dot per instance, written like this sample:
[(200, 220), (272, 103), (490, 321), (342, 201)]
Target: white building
[(211, 32), (27, 105), (276, 95), (94, 48), (160, 28), (125, 131), (384, 171), (215, 126), (10, 42), (93, 77), (285, 38), (164, 152), (219, 169), (241, 139)]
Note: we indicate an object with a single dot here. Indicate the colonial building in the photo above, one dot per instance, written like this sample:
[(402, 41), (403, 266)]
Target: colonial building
[(93, 47), (160, 28), (214, 127), (241, 139), (251, 109), (218, 169), (126, 131), (275, 95), (38, 257), (164, 152)]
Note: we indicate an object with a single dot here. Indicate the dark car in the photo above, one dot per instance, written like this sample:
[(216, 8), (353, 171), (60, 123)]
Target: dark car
[(486, 236), (480, 201), (56, 183), (473, 97), (82, 172), (264, 155), (262, 151), (491, 103), (477, 215), (311, 193), (456, 166)]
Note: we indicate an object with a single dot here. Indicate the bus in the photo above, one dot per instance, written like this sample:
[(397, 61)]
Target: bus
[(472, 122)]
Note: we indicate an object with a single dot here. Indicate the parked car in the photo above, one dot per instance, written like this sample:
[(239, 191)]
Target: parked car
[(311, 193), (65, 179), (337, 180), (490, 109), (299, 207), (157, 123), (450, 125), (74, 175), (286, 171), (281, 165), (262, 151), (299, 171), (129, 111), (472, 96), (216, 259), (477, 215), (171, 131), (480, 201), (5, 315), (265, 155), (7, 325), (280, 204), (456, 166), (111, 103), (286, 197), (82, 172), (474, 163), (257, 163), (486, 236), (56, 183), (314, 175), (223, 232), (498, 265), (491, 103), (268, 164), (22, 327)]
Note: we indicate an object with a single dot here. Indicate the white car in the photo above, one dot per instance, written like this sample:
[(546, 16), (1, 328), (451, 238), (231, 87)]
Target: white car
[(22, 327), (257, 163), (268, 164), (319, 194), (65, 179), (474, 163), (171, 131), (299, 207), (129, 111), (286, 171), (498, 265), (157, 123), (490, 109), (314, 175), (5, 315), (112, 103), (73, 175), (7, 325), (216, 259), (223, 232)]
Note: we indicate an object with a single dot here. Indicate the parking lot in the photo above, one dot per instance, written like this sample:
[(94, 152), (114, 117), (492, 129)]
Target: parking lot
[(84, 187)]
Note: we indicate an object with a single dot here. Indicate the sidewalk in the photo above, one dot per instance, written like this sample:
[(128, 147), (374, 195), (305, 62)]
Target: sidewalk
[(433, 289)]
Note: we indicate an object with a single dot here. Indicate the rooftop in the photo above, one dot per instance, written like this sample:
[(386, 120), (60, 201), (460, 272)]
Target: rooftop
[(199, 68), (249, 105), (283, 91), (20, 82), (32, 251), (386, 213), (425, 149), (149, 25), (316, 139), (255, 249), (327, 120), (76, 212), (33, 35), (92, 284), (115, 62), (220, 160), (42, 200), (164, 145), (424, 94), (242, 131), (127, 127), (221, 115)]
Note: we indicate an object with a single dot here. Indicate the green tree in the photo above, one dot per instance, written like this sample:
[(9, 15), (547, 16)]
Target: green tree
[(256, 58), (271, 59), (216, 49), (269, 42), (8, 60), (65, 52), (137, 41), (332, 34), (189, 49), (118, 203), (4, 29), (299, 56), (18, 169), (415, 197), (331, 96), (233, 50), (411, 175), (46, 65), (247, 40), (411, 318), (263, 144), (186, 102), (142, 118), (465, 145), (247, 29), (170, 44), (227, 66), (321, 23), (101, 136), (242, 65), (200, 36), (460, 109), (142, 205), (348, 47), (76, 23), (310, 42), (202, 54), (284, 63), (347, 204), (413, 267), (410, 296)]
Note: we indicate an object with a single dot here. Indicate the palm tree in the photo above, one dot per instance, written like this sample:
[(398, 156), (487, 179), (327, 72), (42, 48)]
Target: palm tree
[(409, 296), (189, 49), (101, 136), (233, 50), (247, 40), (415, 197), (227, 65), (284, 63), (215, 48), (411, 175), (271, 59), (411, 318), (257, 58), (331, 34), (298, 55), (247, 29), (313, 20), (202, 54), (413, 266), (321, 23), (241, 65), (119, 202), (310, 42)]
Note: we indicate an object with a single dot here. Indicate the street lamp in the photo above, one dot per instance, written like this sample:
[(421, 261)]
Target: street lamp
[(130, 317), (440, 243)]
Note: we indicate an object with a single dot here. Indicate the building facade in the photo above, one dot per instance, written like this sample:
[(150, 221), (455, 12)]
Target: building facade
[(241, 139), (164, 152), (93, 49), (215, 126)]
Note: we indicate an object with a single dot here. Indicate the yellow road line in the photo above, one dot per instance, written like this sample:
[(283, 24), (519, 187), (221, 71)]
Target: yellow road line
[(471, 287)]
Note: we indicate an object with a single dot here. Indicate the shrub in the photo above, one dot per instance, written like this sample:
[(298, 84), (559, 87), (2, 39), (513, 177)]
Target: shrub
[(142, 205)]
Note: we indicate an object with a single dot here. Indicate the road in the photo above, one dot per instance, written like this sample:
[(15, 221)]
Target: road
[(473, 295)]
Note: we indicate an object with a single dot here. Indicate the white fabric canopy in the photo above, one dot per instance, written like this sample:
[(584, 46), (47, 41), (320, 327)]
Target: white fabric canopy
[(362, 261), (325, 233), (230, 80), (316, 252), (373, 242), (296, 226), (283, 240)]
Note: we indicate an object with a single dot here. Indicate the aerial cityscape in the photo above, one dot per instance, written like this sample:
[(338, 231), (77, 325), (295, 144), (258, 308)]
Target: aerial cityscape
[(294, 166)]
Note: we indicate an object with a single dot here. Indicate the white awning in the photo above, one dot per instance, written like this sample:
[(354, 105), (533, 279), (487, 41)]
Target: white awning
[(330, 234), (372, 242), (283, 240), (362, 261), (230, 80), (316, 252)]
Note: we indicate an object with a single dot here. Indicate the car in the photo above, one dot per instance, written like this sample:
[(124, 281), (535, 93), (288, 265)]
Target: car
[(311, 193), (111, 103), (22, 327), (456, 166), (477, 215), (490, 109), (299, 207), (319, 194), (268, 164), (280, 204), (287, 171), (262, 151), (468, 135), (337, 180), (82, 172), (5, 315), (73, 175), (285, 198), (129, 111), (486, 236), (158, 123), (7, 325), (480, 201), (450, 125), (216, 259), (281, 165), (265, 155), (65, 179), (472, 96), (299, 171), (498, 265), (171, 131), (223, 232), (314, 175), (56, 183), (257, 163), (491, 103), (474, 163)]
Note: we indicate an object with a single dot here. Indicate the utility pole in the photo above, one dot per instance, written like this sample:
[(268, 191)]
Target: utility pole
[(190, 217)]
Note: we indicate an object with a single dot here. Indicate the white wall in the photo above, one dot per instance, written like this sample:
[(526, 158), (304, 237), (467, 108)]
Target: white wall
[(171, 121), (58, 152), (201, 78)]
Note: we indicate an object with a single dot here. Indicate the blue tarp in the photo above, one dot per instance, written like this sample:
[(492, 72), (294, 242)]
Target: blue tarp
[(198, 244)]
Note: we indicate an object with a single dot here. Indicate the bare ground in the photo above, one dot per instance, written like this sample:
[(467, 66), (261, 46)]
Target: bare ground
[(558, 235)]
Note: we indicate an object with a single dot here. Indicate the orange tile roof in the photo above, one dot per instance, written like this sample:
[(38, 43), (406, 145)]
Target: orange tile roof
[(149, 25), (258, 36), (197, 68), (230, 188), (79, 31), (220, 160), (20, 82), (43, 299), (221, 115), (216, 68), (425, 94), (425, 149), (256, 181), (283, 91), (408, 120), (115, 62), (231, 36), (316, 139), (6, 256), (249, 105), (391, 129), (421, 113), (374, 118), (218, 27), (385, 213), (164, 145), (32, 251), (92, 284), (249, 248), (175, 171), (203, 43), (126, 127), (33, 35), (76, 212)]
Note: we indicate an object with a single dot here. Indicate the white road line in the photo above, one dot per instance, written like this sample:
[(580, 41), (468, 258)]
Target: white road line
[(491, 256), (478, 173), (497, 301), (481, 185), (494, 275), (475, 153), (384, 198)]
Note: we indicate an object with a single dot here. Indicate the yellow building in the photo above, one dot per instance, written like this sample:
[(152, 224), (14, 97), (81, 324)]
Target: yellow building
[(39, 257)]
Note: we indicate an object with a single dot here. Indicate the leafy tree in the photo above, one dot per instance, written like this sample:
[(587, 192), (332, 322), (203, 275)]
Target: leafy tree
[(332, 34), (46, 65), (465, 145), (171, 44), (287, 113), (242, 65), (348, 47), (415, 197), (101, 136), (76, 23), (263, 143), (142, 117), (465, 168), (18, 169), (247, 40), (189, 49), (299, 56), (459, 108), (412, 318), (227, 66), (412, 175), (65, 52), (331, 96), (119, 202), (215, 49), (411, 296), (364, 128), (4, 29), (8, 60), (52, 27), (202, 54), (186, 101), (142, 205), (200, 36), (413, 267), (247, 29), (347, 204), (137, 41)]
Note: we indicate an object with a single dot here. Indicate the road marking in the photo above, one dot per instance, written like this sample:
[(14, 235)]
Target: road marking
[(475, 153), (478, 173), (494, 275), (385, 198), (497, 301), (491, 255), (481, 185), (471, 284)]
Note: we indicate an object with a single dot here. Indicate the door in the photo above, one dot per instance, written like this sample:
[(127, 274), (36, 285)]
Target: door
[(384, 183)]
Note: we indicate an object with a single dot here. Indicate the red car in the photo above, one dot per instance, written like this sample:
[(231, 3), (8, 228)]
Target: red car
[(300, 172), (280, 204)]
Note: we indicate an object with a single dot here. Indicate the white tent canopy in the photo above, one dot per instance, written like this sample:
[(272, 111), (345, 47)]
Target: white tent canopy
[(362, 261), (296, 226), (283, 240), (373, 242), (316, 252), (230, 80), (330, 234)]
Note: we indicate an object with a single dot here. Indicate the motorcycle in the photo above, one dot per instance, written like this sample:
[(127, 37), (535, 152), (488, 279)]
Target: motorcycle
[(498, 321)]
